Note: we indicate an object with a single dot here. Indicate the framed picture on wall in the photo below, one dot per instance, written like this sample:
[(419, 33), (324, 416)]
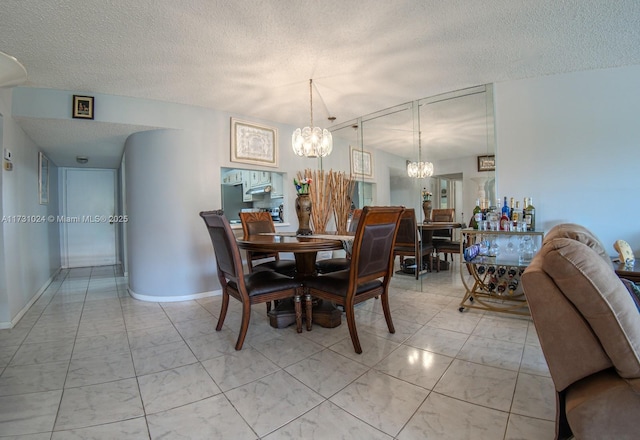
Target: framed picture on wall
[(82, 107), (487, 163), (43, 179), (361, 163), (254, 143)]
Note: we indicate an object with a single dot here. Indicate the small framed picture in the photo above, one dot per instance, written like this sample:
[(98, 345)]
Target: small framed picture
[(487, 163), (43, 179), (254, 143), (361, 163), (82, 107)]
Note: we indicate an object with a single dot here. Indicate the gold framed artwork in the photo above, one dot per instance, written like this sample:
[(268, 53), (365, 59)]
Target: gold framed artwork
[(43, 179), (361, 163), (253, 143), (82, 107), (487, 163)]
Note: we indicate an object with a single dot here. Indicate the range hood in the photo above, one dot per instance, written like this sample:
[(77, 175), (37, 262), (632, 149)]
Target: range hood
[(260, 189)]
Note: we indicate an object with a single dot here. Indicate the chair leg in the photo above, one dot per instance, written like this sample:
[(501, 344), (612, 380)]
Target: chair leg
[(308, 310), (298, 308), (387, 312), (351, 322), (244, 326), (268, 303), (223, 310)]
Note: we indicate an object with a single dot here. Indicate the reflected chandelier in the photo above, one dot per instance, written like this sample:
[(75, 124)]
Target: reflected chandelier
[(419, 170), (312, 141)]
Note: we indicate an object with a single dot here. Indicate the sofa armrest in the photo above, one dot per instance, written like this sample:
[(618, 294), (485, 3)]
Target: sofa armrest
[(570, 347)]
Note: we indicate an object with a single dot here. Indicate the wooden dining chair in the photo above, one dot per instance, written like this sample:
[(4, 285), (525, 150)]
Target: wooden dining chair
[(410, 244), (370, 271), (443, 238), (254, 223), (254, 288), (336, 264)]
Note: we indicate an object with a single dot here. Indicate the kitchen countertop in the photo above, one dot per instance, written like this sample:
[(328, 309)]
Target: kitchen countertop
[(277, 225)]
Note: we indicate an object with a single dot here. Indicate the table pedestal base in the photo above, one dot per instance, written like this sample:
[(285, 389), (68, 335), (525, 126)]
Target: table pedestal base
[(325, 314)]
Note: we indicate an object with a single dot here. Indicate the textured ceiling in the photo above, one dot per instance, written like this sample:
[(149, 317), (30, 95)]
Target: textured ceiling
[(255, 57)]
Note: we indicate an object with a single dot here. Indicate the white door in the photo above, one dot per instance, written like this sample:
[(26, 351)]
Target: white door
[(88, 205)]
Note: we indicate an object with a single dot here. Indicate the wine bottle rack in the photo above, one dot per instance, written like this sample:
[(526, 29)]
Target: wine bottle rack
[(492, 279)]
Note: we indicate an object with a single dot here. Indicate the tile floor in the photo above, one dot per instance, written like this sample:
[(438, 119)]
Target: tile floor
[(89, 362)]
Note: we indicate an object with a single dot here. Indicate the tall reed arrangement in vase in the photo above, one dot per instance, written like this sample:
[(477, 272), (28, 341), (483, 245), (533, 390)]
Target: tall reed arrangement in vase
[(320, 194), (341, 194)]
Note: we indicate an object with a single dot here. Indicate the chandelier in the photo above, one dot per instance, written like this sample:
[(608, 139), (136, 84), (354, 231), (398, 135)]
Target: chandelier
[(419, 170), (312, 141)]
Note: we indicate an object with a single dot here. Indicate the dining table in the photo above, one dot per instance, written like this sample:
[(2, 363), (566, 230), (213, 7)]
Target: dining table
[(305, 249)]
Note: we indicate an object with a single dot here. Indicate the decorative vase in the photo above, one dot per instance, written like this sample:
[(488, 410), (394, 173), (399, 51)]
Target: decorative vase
[(426, 207), (303, 211)]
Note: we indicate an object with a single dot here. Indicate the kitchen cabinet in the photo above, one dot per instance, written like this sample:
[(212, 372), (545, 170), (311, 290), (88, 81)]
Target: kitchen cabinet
[(277, 189), (233, 177), (259, 178), (246, 185)]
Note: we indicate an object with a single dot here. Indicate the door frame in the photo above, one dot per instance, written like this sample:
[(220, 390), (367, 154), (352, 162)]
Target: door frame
[(64, 245)]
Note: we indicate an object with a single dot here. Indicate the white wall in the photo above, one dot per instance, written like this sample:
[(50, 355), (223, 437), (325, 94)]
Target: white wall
[(169, 251), (572, 142), (31, 250)]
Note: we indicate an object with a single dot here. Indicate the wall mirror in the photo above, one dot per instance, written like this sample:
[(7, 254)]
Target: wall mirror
[(449, 130)]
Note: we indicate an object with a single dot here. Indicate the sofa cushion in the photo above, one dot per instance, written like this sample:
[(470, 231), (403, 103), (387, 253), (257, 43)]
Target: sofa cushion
[(578, 233), (593, 287)]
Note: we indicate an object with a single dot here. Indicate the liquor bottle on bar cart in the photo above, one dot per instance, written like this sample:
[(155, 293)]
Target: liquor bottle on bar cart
[(504, 219), (477, 215), (516, 214), (530, 214)]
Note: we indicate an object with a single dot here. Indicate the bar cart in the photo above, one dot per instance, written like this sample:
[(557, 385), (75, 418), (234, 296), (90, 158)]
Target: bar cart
[(495, 263)]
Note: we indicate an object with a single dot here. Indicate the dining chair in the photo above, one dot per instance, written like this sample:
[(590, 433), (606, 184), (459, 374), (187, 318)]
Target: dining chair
[(369, 273), (253, 288), (336, 264), (254, 223), (443, 238), (410, 244)]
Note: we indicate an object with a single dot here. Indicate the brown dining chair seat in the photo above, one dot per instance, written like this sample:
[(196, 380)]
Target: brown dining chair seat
[(340, 263), (253, 288), (369, 273)]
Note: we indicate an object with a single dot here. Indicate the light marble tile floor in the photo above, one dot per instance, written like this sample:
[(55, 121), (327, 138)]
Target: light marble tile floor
[(87, 361)]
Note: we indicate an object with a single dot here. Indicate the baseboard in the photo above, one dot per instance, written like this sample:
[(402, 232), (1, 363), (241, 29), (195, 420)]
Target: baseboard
[(16, 319), (150, 298)]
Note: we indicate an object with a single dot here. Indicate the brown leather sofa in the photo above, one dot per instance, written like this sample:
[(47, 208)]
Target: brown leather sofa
[(589, 330)]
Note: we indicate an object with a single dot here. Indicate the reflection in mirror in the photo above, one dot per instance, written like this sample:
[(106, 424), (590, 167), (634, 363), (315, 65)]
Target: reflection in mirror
[(449, 130), (251, 191), (389, 136), (456, 128)]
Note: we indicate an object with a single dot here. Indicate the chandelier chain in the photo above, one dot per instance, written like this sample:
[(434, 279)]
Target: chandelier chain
[(311, 100)]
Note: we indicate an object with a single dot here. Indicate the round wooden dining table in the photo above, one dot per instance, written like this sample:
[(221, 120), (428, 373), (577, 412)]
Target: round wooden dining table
[(305, 250)]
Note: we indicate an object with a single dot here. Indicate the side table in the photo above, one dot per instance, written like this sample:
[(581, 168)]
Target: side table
[(632, 273)]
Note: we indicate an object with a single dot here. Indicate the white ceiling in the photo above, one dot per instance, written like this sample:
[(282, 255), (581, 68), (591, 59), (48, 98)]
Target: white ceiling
[(255, 58)]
